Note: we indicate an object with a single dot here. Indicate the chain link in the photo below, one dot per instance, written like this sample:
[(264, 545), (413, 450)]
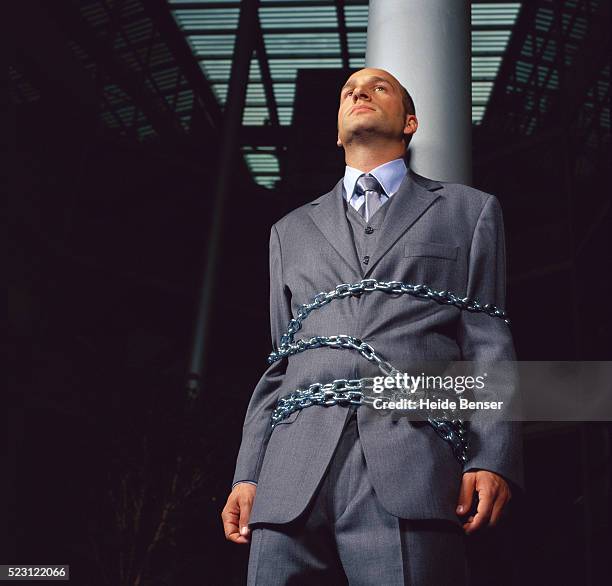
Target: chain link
[(341, 341), (351, 391), (338, 392)]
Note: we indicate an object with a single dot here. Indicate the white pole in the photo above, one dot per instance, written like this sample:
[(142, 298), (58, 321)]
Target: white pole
[(425, 44)]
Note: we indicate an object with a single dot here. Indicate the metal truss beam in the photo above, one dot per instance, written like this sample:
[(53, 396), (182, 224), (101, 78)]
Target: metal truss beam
[(592, 56), (133, 83), (343, 34), (159, 10)]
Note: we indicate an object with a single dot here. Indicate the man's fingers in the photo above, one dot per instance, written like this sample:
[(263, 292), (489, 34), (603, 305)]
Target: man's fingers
[(466, 494), (246, 503), (232, 533), (230, 516), (493, 494), (500, 503), (498, 507), (483, 513), (235, 515), (231, 521), (237, 538)]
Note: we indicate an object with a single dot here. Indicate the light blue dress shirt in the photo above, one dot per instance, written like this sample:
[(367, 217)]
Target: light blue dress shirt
[(390, 175)]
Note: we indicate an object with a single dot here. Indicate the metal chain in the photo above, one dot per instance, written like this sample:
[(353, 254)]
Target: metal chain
[(338, 392), (341, 341), (351, 391), (287, 348)]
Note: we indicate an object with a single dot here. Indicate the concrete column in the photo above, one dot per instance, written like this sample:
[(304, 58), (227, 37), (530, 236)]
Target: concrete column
[(229, 151), (425, 44)]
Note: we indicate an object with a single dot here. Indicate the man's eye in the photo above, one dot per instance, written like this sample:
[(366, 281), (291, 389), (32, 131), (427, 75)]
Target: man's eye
[(380, 87)]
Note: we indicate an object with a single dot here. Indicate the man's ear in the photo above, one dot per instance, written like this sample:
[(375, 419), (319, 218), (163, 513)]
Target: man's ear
[(411, 124)]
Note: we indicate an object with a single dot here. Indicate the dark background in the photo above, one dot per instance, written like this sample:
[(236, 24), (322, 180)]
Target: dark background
[(108, 466)]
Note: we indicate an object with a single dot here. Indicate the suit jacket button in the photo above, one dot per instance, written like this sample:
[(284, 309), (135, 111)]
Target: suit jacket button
[(369, 230), (366, 260)]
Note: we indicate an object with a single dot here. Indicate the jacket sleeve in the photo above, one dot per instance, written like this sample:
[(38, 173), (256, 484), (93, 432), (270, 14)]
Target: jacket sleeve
[(256, 429), (495, 444)]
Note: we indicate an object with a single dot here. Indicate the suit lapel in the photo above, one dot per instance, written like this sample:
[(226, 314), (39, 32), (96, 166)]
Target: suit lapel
[(414, 196), (329, 216)]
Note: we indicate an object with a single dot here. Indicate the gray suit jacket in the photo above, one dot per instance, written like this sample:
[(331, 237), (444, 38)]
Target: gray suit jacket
[(445, 235)]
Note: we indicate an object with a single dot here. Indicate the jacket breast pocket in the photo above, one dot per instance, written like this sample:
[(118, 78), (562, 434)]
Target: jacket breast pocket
[(431, 249)]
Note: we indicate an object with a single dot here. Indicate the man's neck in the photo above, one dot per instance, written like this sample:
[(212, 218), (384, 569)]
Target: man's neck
[(365, 159)]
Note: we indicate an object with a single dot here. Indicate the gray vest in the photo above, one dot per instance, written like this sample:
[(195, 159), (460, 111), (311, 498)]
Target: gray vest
[(365, 234)]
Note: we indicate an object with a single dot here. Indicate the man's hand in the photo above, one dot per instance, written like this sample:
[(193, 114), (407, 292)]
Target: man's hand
[(236, 513), (493, 494)]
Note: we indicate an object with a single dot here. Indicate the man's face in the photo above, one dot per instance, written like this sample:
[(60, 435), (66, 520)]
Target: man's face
[(371, 103)]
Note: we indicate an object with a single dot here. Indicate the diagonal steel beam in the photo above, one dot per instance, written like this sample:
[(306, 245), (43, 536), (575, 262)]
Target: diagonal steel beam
[(133, 83), (266, 78), (498, 102), (592, 56), (205, 106), (45, 58), (343, 34), (265, 135), (159, 11), (228, 151)]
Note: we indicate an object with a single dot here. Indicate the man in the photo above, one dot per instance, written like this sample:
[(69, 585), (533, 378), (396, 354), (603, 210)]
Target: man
[(337, 493)]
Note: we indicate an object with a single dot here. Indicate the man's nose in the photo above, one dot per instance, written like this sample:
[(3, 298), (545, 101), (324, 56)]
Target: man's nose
[(360, 92)]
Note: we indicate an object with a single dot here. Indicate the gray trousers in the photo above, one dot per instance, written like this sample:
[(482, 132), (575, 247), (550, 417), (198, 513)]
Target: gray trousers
[(345, 536)]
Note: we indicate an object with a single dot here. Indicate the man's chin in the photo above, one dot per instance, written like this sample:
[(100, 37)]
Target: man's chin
[(366, 134)]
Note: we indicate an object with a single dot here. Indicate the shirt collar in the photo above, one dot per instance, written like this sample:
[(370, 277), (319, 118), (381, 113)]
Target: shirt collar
[(390, 175)]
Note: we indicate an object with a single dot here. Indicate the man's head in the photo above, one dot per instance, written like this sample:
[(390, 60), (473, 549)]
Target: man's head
[(375, 105)]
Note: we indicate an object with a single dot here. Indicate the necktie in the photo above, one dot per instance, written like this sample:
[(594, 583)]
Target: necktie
[(369, 186)]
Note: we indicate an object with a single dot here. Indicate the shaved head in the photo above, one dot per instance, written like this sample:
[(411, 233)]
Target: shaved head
[(383, 92)]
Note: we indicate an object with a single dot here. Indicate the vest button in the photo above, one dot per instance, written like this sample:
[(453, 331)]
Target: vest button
[(366, 260), (369, 230)]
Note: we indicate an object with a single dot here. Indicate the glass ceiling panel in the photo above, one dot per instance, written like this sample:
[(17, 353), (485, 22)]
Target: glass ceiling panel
[(204, 2), (263, 163), (302, 44), (285, 115), (266, 163), (208, 19), (216, 70), (490, 41), (485, 67), (481, 90), (287, 68), (356, 62), (502, 14), (255, 116), (356, 16), (284, 93), (533, 79), (293, 17), (357, 43), (220, 91), (208, 46)]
